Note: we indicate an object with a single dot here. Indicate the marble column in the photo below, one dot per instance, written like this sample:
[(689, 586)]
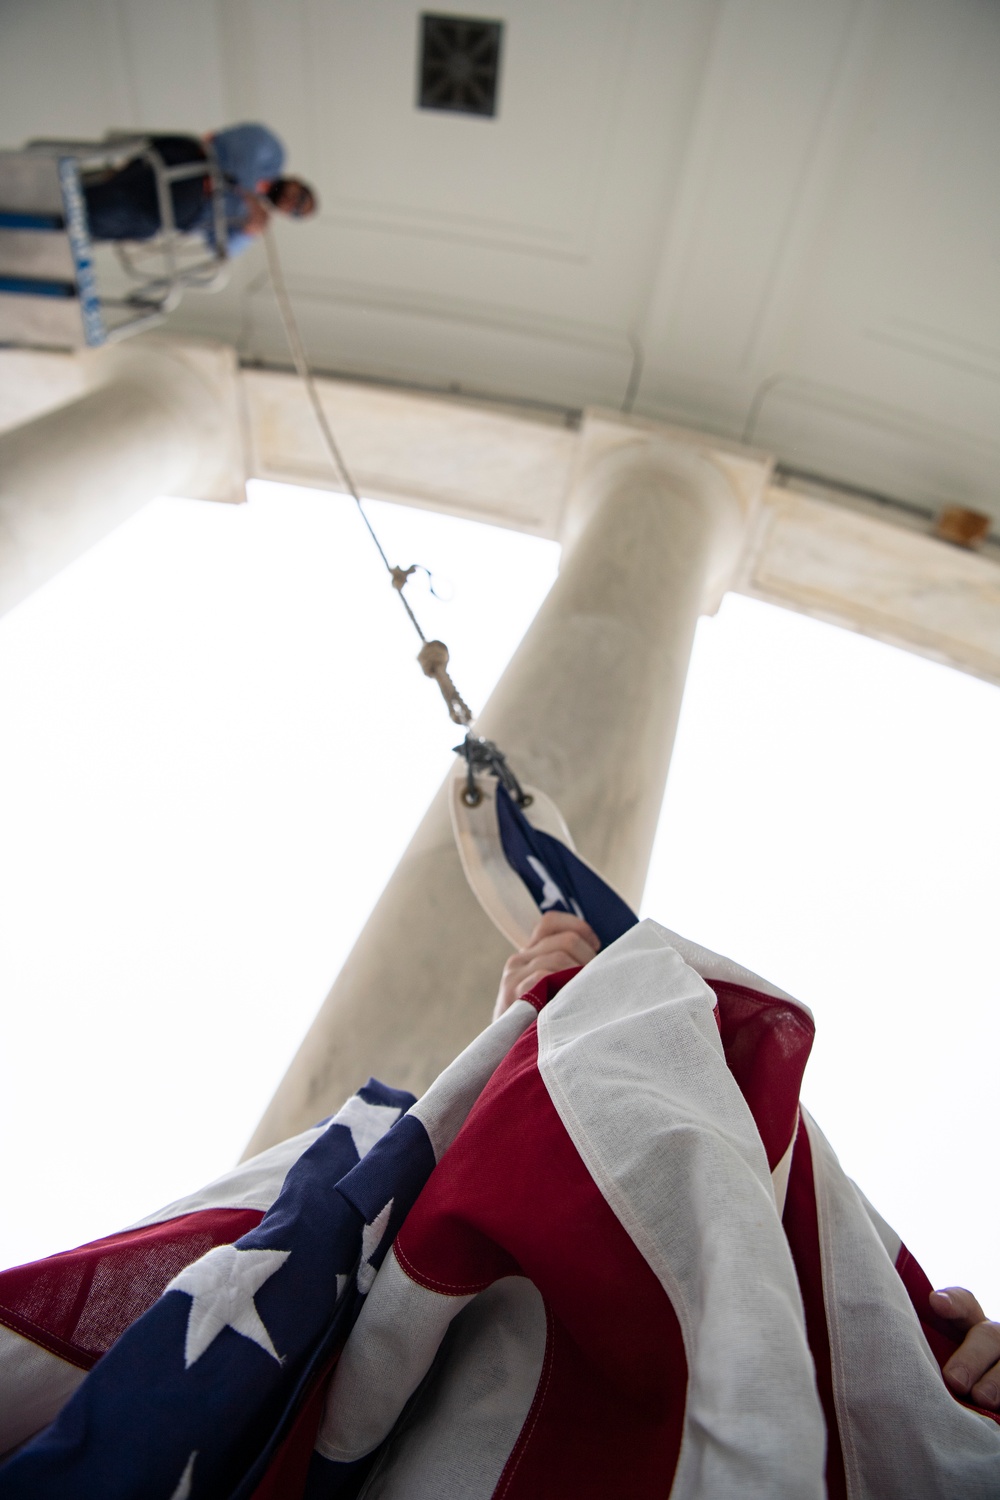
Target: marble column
[(157, 419), (587, 710)]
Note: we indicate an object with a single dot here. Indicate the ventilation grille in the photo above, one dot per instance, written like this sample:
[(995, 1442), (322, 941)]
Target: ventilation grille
[(459, 64)]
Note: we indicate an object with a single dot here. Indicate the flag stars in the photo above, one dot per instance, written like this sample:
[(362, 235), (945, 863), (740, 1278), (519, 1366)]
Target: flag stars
[(371, 1237), (552, 894), (183, 1490), (222, 1286), (367, 1123)]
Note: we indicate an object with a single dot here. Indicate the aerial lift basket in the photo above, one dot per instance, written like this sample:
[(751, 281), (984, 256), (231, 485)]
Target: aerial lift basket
[(55, 291)]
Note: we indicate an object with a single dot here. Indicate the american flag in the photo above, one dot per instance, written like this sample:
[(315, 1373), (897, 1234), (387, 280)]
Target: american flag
[(606, 1253)]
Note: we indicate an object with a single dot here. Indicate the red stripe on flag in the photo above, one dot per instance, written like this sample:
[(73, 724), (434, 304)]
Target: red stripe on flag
[(77, 1303), (513, 1197), (767, 1043), (549, 986), (802, 1232)]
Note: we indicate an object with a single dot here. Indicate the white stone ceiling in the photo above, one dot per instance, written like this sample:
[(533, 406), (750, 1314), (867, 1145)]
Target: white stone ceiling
[(771, 219)]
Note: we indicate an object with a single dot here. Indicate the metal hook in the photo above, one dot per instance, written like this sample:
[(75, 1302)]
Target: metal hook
[(483, 755), (402, 576), (471, 795)]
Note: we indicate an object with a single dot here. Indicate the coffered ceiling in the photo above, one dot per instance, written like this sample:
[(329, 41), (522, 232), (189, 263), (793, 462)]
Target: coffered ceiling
[(776, 220)]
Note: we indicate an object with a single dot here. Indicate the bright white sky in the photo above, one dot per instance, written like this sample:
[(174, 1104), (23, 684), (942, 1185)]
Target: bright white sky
[(216, 744)]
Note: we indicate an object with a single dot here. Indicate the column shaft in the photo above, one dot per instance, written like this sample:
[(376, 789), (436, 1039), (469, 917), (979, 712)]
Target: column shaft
[(587, 710), (69, 477)]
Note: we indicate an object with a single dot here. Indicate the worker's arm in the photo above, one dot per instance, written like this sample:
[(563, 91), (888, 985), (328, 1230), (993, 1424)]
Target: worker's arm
[(256, 214), (558, 942), (974, 1368)]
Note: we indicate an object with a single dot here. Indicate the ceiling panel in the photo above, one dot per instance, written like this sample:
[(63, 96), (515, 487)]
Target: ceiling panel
[(906, 286), (777, 219), (63, 69), (759, 150), (402, 167), (547, 209), (899, 315), (172, 56)]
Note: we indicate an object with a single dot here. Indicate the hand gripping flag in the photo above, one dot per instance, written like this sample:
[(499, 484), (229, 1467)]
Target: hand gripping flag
[(605, 1254)]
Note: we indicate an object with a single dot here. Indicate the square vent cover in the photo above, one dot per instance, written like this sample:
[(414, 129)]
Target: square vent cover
[(459, 64)]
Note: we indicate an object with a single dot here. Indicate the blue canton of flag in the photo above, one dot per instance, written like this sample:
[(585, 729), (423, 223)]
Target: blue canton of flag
[(557, 879), (198, 1394)]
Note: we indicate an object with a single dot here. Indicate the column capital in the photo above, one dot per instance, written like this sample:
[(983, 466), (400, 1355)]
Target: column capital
[(618, 451), (197, 381), (151, 418)]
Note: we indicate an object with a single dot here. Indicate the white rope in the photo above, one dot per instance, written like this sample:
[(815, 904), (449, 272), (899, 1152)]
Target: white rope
[(433, 656)]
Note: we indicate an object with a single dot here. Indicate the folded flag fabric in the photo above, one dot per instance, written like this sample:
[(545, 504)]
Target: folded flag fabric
[(640, 1270), (606, 1253), (224, 1336), (202, 1365)]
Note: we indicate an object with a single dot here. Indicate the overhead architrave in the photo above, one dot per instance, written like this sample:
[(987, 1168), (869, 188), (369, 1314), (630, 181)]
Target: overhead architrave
[(874, 569), (823, 554)]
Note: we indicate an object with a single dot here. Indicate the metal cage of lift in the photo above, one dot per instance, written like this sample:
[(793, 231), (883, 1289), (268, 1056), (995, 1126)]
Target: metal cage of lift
[(53, 293)]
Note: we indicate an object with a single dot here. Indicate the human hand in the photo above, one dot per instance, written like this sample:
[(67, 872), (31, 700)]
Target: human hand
[(974, 1368), (559, 941), (257, 215)]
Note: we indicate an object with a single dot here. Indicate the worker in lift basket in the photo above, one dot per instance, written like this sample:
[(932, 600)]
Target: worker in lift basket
[(123, 205)]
